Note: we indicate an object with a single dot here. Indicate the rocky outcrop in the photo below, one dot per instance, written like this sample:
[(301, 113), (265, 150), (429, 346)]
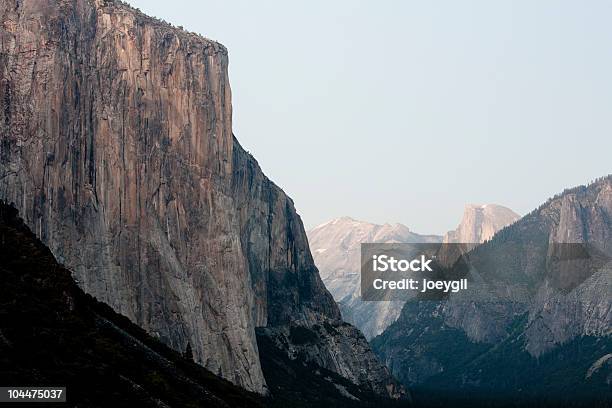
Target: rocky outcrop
[(322, 343), (336, 248), (116, 146), (480, 222)]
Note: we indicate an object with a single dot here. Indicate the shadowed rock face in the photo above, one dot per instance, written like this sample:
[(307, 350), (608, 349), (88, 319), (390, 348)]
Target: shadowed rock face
[(116, 147), (51, 333)]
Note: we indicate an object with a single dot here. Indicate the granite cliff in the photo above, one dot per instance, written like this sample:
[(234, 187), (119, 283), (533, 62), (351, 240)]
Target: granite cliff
[(52, 333), (116, 147)]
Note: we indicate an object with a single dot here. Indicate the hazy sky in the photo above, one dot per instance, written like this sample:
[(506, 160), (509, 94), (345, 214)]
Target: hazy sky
[(404, 111)]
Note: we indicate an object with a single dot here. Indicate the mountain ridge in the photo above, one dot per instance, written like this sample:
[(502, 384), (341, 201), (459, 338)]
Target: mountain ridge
[(534, 309), (336, 247)]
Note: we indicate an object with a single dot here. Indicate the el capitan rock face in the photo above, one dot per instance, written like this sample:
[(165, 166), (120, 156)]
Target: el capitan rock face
[(116, 146), (51, 332)]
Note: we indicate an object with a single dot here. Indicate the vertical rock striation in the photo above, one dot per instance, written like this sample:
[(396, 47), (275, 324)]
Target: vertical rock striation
[(116, 146), (117, 149)]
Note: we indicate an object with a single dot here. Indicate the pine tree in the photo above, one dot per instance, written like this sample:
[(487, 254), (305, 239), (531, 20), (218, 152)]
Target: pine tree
[(188, 354)]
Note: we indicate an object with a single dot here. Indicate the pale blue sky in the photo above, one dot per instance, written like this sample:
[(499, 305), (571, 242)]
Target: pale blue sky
[(404, 111)]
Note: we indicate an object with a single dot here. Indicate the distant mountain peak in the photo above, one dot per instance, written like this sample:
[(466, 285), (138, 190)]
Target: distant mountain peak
[(350, 222), (335, 247), (480, 222)]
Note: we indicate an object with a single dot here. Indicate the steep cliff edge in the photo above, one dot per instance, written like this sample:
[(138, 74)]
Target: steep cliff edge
[(116, 146)]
